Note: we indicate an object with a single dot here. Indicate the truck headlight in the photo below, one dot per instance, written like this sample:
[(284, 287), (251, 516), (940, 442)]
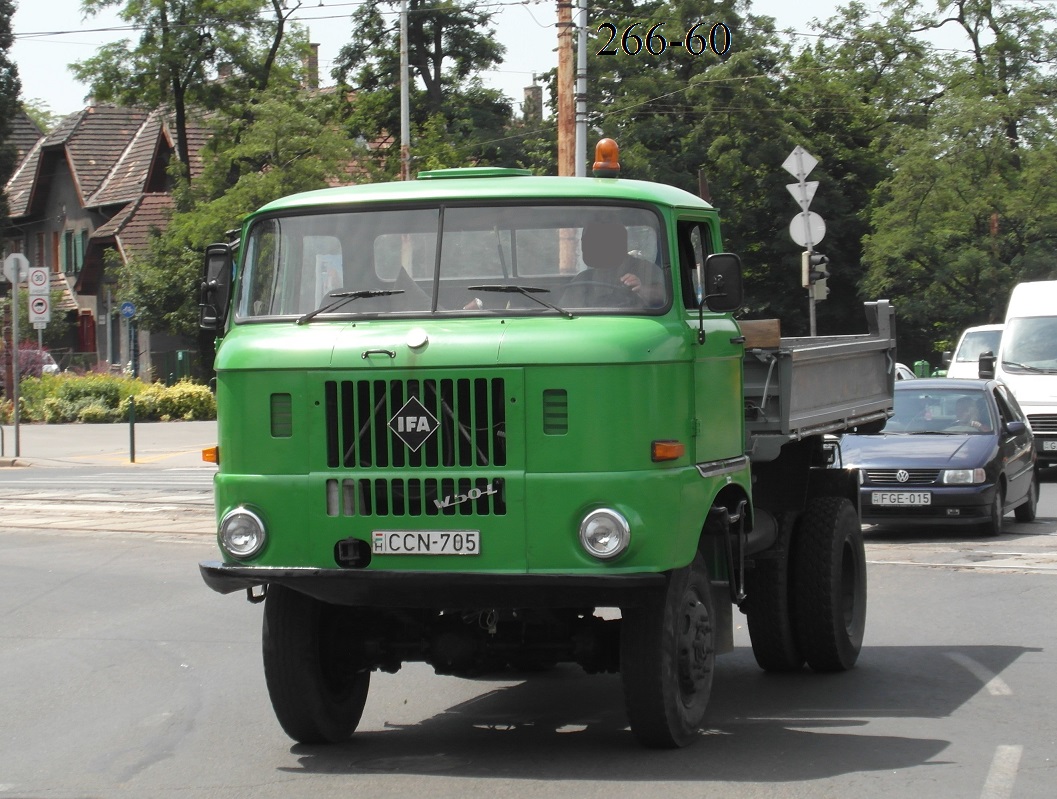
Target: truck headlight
[(241, 533), (604, 533)]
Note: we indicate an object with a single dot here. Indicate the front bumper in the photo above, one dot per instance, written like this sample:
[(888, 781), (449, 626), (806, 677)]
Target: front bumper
[(440, 590), (950, 505)]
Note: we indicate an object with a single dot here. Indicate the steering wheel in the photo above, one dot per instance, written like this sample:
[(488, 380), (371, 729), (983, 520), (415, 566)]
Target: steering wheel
[(624, 296)]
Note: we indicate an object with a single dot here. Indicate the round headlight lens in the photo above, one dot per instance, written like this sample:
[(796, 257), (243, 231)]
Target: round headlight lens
[(242, 533), (604, 533)]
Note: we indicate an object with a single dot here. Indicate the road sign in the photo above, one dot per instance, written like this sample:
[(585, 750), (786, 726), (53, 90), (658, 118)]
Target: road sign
[(16, 267), (39, 281), (803, 193), (128, 310), (39, 310), (799, 163), (807, 229)]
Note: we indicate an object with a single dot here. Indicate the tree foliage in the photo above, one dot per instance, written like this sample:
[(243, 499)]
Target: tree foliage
[(10, 89), (184, 46), (449, 43)]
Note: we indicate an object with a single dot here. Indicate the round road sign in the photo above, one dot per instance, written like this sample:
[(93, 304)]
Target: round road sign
[(807, 229)]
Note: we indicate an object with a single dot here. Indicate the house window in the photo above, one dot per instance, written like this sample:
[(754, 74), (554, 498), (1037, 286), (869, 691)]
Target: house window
[(71, 254)]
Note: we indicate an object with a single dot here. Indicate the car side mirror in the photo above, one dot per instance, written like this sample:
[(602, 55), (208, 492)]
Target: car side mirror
[(986, 365), (724, 291), (1016, 428), (215, 289)]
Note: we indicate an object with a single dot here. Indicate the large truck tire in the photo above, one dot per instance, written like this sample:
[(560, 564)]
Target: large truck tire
[(769, 608), (667, 659), (829, 584), (315, 699)]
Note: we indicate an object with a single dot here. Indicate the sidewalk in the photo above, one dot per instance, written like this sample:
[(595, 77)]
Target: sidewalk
[(171, 444)]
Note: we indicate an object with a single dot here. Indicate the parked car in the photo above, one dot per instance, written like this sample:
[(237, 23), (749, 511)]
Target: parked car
[(955, 451), (32, 362), (904, 372)]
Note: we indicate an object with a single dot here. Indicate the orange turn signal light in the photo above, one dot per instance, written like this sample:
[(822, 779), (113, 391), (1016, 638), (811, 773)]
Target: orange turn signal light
[(667, 450), (211, 455)]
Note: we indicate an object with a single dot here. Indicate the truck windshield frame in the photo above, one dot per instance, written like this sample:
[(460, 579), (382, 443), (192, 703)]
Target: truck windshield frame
[(434, 259)]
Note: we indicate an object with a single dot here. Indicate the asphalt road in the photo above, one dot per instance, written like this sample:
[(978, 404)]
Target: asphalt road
[(122, 675)]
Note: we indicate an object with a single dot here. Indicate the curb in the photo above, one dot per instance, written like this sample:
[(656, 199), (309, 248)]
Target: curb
[(12, 462)]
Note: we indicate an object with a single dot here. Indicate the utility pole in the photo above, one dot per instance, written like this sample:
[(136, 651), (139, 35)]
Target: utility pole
[(405, 111), (566, 121), (581, 89)]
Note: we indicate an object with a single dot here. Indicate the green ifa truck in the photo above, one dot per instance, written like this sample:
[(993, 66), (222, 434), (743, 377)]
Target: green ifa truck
[(494, 421)]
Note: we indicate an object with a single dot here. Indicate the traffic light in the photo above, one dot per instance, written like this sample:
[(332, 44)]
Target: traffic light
[(814, 269)]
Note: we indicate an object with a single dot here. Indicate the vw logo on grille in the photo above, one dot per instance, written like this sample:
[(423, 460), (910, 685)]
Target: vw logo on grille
[(902, 475)]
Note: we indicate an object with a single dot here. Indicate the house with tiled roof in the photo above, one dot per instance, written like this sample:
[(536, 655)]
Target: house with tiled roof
[(97, 183)]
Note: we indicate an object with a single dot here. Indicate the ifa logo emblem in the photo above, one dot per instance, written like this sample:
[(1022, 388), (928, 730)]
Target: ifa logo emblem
[(413, 424)]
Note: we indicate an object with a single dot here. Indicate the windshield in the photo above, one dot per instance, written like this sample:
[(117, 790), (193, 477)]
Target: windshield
[(524, 259), (943, 411), (977, 342), (1030, 344)]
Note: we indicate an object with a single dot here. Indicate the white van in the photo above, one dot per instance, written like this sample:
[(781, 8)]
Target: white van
[(974, 340), (1027, 360)]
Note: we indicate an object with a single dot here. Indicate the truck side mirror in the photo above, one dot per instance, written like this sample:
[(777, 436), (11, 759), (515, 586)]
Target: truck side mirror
[(948, 356), (986, 367), (215, 290), (724, 291)]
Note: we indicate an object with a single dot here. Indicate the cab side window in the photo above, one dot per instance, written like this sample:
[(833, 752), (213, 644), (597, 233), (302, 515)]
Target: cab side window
[(695, 244)]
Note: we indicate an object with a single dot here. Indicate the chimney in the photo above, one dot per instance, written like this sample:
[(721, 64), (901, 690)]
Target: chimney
[(312, 67), (532, 110)]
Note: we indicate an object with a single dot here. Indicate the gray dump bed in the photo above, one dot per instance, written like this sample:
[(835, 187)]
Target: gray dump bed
[(822, 384)]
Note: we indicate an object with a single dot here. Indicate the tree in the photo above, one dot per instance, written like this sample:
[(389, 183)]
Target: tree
[(970, 207), (449, 43), (183, 46), (292, 143), (10, 88)]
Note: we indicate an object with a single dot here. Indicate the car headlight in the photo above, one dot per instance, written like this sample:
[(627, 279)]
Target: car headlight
[(964, 476), (604, 533), (241, 533)]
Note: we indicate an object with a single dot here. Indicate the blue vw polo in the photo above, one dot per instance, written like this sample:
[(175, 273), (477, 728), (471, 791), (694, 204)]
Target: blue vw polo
[(954, 452)]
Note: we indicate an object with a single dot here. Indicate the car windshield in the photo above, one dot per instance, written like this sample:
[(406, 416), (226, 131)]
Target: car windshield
[(977, 342), (1030, 344), (941, 411), (424, 261)]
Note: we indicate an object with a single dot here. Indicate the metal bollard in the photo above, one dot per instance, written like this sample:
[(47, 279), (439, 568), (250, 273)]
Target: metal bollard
[(131, 430)]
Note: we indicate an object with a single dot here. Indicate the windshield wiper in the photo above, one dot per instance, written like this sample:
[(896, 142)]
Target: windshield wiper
[(343, 297), (528, 291), (1026, 367)]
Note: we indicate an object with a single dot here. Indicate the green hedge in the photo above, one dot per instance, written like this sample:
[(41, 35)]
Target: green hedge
[(99, 398)]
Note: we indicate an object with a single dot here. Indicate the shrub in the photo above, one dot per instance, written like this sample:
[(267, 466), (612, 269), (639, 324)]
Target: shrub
[(102, 397), (97, 413)]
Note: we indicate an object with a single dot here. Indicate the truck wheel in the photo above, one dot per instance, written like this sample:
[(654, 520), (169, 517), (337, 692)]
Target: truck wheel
[(667, 657), (768, 609), (829, 584), (315, 699)]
